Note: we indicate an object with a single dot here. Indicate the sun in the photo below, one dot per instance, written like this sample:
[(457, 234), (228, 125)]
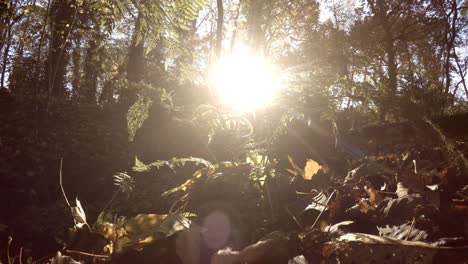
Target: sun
[(245, 81)]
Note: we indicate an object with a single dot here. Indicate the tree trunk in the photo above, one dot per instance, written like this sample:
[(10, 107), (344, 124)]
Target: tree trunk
[(136, 56), (236, 18), (39, 48), (255, 21), (461, 72), (451, 36), (92, 69), (391, 61), (7, 40), (6, 52), (63, 21), (219, 29), (77, 61)]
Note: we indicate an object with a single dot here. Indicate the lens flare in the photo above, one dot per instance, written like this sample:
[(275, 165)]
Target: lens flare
[(245, 81)]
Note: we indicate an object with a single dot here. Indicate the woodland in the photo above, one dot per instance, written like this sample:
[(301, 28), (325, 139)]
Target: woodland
[(233, 131)]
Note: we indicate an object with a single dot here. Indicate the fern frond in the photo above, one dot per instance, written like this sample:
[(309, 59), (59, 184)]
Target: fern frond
[(125, 182)]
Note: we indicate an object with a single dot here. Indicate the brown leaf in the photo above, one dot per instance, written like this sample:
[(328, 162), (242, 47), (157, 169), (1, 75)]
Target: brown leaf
[(226, 256), (401, 190), (374, 197), (403, 232), (364, 206)]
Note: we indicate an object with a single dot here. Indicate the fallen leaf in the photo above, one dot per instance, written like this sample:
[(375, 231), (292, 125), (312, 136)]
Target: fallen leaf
[(336, 227), (78, 214), (403, 232), (433, 187), (226, 256), (351, 176), (311, 168), (364, 206), (62, 259), (298, 260), (318, 202), (401, 190), (374, 197)]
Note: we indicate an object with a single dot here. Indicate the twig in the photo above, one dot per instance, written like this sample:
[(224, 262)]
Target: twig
[(323, 209), (61, 185), (21, 255), (411, 229), (388, 193), (8, 250), (87, 254)]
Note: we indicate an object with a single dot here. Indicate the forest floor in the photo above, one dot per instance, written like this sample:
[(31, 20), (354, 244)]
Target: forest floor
[(402, 199)]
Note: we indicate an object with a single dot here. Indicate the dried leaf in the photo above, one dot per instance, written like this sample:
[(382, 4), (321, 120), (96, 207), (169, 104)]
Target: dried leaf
[(403, 232), (62, 259), (311, 168), (433, 187), (78, 214), (401, 190), (226, 256), (374, 197), (364, 206), (384, 187), (366, 248), (298, 260), (336, 227), (352, 174), (318, 202)]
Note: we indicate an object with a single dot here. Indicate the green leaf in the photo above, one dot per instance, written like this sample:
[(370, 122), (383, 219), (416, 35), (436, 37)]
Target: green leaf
[(139, 166)]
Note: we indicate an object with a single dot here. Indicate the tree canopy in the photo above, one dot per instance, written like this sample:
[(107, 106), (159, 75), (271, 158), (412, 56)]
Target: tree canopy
[(381, 58)]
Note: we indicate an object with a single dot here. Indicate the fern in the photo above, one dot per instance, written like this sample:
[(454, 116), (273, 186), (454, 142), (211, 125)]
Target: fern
[(216, 121), (137, 114), (163, 19), (172, 164)]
